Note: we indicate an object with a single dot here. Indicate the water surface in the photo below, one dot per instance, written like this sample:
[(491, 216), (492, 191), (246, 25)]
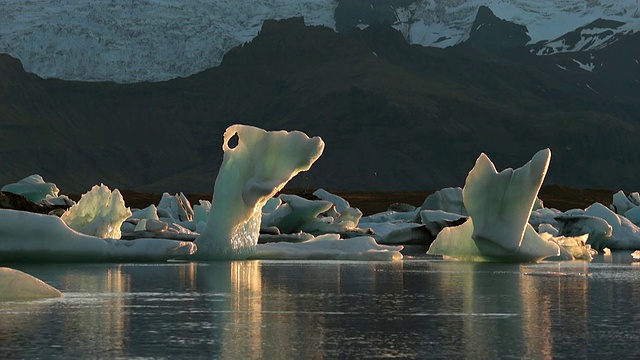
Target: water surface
[(295, 310)]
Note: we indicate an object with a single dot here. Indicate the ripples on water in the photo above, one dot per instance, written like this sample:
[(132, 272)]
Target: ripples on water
[(292, 310)]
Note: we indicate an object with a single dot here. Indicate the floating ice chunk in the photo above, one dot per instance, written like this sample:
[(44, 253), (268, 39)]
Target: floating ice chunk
[(621, 203), (294, 212), (151, 225), (499, 206), (397, 233), (329, 247), (571, 248), (150, 212), (201, 211), (340, 203), (271, 205), (447, 199), (623, 234), (33, 188), (251, 173), (389, 216), (549, 229), (62, 200), (17, 285), (352, 215), (427, 216), (576, 222), (501, 203), (99, 212), (176, 206), (457, 242), (543, 216), (633, 215), (344, 212), (42, 238)]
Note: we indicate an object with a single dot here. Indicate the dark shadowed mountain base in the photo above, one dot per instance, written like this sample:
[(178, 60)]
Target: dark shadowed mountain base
[(395, 117)]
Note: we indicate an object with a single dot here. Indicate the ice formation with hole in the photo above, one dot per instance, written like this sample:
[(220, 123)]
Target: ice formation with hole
[(251, 173)]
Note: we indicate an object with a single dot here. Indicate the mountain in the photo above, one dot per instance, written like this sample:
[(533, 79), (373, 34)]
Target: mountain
[(157, 40), (394, 116)]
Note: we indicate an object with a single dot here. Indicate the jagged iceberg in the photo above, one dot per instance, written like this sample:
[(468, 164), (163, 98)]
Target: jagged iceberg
[(100, 212), (499, 206)]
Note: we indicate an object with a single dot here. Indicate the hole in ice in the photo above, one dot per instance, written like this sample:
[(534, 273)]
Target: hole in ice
[(233, 141)]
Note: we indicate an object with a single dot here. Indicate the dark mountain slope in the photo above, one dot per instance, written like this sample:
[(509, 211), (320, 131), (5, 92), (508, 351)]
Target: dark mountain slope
[(394, 116)]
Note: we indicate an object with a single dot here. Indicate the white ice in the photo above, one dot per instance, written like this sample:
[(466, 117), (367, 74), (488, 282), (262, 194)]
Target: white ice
[(605, 228), (176, 207), (252, 171), (343, 211), (150, 212), (16, 285), (447, 199), (329, 247), (571, 248), (44, 238), (33, 188), (100, 212), (294, 212), (499, 205)]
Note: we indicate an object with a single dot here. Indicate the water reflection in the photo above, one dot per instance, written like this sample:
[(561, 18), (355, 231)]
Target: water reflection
[(252, 309)]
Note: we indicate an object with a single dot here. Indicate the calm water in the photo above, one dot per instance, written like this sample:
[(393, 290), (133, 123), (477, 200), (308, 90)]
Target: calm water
[(298, 310)]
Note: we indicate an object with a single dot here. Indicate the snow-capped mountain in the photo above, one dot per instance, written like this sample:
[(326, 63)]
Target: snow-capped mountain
[(152, 40)]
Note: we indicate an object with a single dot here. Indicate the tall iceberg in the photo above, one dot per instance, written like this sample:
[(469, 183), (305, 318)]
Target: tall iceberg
[(252, 171), (499, 205)]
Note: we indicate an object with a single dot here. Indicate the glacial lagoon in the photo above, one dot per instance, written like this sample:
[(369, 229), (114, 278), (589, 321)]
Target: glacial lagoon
[(412, 309)]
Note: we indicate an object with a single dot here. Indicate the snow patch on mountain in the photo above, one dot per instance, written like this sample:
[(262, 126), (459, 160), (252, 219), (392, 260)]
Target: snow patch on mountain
[(448, 22), (142, 40), (153, 40)]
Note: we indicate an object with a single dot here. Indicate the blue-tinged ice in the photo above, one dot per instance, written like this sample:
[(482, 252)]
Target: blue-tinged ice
[(33, 188)]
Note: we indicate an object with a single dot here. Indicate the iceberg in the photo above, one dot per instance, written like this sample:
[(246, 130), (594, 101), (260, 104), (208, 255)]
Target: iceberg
[(606, 229), (31, 237), (329, 247), (294, 212), (33, 188), (447, 199), (100, 212), (17, 285), (499, 205), (253, 170), (176, 207)]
